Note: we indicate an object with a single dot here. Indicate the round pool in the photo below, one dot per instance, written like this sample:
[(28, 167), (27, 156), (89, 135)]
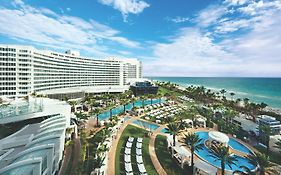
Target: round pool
[(204, 154)]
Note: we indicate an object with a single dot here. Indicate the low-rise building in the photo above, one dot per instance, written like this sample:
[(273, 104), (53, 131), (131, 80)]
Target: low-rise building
[(37, 148), (143, 88)]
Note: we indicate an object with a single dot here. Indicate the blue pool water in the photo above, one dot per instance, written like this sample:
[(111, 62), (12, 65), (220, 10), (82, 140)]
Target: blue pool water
[(239, 146), (116, 111), (147, 125), (164, 130), (205, 155)]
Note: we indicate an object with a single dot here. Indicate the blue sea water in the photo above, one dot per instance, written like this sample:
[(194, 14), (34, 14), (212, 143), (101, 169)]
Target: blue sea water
[(267, 90)]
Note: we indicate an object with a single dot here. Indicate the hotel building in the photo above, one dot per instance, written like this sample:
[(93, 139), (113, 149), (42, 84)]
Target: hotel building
[(24, 70)]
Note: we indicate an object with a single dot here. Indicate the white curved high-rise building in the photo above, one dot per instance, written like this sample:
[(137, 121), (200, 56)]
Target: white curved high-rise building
[(24, 70)]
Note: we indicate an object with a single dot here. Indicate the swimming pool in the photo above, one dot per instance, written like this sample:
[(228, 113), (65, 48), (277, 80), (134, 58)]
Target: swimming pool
[(205, 155), (164, 130), (239, 146), (118, 110), (147, 125)]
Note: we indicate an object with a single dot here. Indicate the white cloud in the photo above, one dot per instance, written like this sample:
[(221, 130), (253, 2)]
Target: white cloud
[(68, 9), (210, 15), (235, 2), (126, 6), (193, 53), (47, 28), (178, 19)]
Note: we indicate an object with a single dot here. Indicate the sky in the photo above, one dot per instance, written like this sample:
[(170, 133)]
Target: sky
[(190, 38)]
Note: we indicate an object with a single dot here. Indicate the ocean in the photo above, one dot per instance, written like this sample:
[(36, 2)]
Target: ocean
[(267, 90)]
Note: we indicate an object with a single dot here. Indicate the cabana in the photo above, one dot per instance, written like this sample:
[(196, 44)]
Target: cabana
[(203, 168), (181, 154), (189, 122), (201, 121), (218, 137)]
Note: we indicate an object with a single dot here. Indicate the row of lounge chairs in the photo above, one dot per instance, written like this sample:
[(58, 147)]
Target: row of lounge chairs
[(139, 160)]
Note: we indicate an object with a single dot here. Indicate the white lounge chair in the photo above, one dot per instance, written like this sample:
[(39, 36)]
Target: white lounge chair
[(127, 151), (130, 139), (129, 145), (127, 158), (139, 159), (140, 140), (138, 151), (128, 167), (139, 145), (131, 173), (142, 169)]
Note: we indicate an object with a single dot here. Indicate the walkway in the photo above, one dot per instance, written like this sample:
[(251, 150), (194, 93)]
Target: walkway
[(112, 151), (66, 159), (76, 155), (160, 170)]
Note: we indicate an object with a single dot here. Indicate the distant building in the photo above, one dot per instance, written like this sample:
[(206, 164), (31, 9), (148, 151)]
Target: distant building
[(275, 125), (143, 88)]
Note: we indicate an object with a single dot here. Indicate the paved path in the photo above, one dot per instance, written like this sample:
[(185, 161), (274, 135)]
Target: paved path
[(66, 159), (112, 150), (76, 155), (160, 170)]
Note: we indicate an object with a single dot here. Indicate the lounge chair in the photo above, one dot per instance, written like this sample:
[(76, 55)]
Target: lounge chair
[(131, 139), (142, 169), (138, 151), (139, 145), (128, 167), (128, 151), (127, 158), (140, 140), (139, 159), (129, 145)]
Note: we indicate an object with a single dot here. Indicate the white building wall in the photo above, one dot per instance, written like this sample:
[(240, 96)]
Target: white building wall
[(25, 70)]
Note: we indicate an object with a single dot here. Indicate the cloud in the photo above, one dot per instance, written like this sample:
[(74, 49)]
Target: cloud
[(44, 27), (178, 19), (210, 15), (192, 52), (126, 6)]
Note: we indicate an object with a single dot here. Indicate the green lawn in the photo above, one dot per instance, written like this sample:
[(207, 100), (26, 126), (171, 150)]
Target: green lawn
[(119, 159), (273, 156), (168, 163), (162, 91)]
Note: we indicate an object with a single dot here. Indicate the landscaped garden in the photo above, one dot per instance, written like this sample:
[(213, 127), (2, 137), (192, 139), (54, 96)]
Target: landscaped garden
[(170, 165), (132, 131)]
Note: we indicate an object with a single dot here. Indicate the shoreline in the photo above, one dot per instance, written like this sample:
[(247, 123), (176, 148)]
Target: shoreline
[(182, 87)]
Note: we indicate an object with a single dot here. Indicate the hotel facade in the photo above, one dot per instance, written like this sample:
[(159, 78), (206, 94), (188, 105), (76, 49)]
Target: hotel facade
[(25, 69)]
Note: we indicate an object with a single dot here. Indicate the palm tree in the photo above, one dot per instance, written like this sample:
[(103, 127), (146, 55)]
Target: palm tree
[(263, 105), (174, 129), (265, 134), (261, 161), (278, 145), (232, 95), (246, 102), (193, 142), (98, 162), (97, 111), (222, 153), (72, 104), (223, 91)]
